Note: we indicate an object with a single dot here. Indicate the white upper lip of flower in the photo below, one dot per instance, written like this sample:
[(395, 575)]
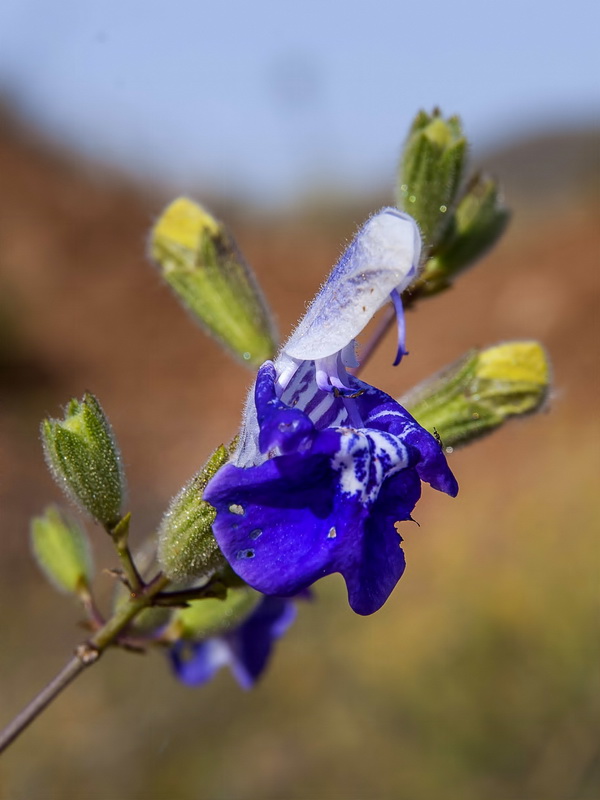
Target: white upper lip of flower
[(384, 256)]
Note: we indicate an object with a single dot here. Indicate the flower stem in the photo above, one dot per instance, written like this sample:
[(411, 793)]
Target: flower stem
[(120, 537), (86, 654)]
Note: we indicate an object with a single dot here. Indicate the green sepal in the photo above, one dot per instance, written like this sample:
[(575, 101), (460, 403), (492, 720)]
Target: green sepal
[(62, 551), (211, 616), (430, 172), (481, 391), (200, 261), (187, 547), (82, 455), (480, 218)]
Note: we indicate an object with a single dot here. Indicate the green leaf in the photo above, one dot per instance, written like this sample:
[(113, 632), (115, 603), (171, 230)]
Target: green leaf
[(61, 548)]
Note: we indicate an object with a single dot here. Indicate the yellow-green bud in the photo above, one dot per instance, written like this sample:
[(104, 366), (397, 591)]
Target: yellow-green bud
[(82, 455), (200, 261), (211, 616), (482, 391), (61, 548), (187, 547), (477, 223), (430, 172)]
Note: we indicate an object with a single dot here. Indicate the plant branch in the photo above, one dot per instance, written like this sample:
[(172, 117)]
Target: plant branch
[(86, 654), (215, 589)]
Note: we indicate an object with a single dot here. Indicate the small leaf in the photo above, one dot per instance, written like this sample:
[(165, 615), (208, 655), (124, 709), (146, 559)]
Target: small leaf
[(61, 548)]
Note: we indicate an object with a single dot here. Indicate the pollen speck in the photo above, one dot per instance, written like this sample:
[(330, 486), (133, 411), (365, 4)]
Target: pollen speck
[(332, 533), (236, 508)]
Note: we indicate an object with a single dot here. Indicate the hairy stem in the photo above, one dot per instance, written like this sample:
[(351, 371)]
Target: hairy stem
[(86, 654)]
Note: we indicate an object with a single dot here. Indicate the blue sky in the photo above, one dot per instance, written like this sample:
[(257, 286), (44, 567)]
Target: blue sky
[(265, 98)]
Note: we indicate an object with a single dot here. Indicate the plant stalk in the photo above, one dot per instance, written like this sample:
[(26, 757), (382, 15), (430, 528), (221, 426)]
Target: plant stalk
[(86, 654)]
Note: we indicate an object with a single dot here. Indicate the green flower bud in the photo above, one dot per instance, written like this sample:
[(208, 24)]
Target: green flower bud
[(211, 616), (482, 391), (187, 547), (201, 263), (82, 455), (61, 548), (430, 172), (478, 222)]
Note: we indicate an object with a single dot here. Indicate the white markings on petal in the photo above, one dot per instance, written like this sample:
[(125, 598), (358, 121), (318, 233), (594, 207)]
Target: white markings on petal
[(365, 459)]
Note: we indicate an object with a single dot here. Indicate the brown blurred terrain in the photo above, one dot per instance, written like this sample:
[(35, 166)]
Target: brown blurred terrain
[(479, 679)]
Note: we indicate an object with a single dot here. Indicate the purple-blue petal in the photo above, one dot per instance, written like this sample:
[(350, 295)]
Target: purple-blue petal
[(196, 663), (280, 425), (246, 649), (280, 542), (379, 563), (253, 642), (327, 499)]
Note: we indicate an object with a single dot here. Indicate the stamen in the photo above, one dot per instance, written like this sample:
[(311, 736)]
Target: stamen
[(352, 409), (401, 326)]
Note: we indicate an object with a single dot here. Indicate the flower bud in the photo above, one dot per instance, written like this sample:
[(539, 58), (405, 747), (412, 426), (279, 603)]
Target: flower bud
[(82, 455), (201, 263), (430, 172), (212, 617), (61, 548), (477, 223), (482, 391), (187, 547)]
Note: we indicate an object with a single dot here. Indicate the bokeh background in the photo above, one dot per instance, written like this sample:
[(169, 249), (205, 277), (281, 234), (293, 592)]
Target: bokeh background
[(479, 678)]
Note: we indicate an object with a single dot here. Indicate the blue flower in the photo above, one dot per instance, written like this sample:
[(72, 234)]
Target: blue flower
[(245, 650), (326, 464)]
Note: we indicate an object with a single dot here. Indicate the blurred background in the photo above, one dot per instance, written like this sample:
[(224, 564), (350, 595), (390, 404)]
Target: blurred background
[(479, 678)]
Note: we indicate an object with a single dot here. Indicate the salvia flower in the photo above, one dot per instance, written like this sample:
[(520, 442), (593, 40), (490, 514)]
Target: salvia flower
[(246, 649), (326, 464)]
